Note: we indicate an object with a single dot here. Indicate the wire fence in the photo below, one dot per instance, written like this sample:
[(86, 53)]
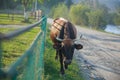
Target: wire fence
[(30, 66)]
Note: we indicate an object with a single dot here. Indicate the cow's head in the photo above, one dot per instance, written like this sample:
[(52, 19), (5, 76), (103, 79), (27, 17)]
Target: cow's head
[(68, 47)]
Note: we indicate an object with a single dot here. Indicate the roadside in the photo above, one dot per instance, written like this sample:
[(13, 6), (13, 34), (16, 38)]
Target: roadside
[(100, 55)]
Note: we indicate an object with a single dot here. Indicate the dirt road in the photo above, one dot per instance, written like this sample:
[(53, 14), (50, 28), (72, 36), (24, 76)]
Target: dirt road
[(100, 57)]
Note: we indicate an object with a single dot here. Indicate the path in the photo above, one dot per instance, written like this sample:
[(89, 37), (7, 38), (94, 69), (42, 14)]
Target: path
[(101, 55)]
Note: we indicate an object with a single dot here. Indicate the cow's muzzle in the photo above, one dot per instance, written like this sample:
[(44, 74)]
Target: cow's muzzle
[(67, 62)]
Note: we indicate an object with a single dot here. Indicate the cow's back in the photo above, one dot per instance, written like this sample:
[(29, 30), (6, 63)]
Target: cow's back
[(61, 27), (57, 25)]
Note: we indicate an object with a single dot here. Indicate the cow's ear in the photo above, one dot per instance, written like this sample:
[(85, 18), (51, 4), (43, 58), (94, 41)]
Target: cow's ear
[(78, 46)]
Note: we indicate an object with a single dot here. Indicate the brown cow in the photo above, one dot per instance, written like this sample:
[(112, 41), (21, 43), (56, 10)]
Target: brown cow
[(63, 35)]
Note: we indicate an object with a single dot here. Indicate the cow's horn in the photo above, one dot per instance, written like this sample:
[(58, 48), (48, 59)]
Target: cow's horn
[(81, 36), (59, 39)]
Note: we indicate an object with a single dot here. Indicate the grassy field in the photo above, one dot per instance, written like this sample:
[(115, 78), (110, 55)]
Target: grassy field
[(52, 67), (18, 19), (14, 48)]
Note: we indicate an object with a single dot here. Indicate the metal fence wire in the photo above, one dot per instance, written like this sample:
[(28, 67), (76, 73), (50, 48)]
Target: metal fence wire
[(30, 66)]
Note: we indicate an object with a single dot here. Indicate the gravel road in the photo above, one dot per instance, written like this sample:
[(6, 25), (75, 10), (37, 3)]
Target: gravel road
[(100, 57)]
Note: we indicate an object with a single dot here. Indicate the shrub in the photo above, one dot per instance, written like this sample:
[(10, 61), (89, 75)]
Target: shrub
[(60, 11), (78, 14)]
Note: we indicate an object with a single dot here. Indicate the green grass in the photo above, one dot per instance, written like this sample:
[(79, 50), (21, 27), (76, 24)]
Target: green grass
[(14, 48), (18, 19), (52, 67)]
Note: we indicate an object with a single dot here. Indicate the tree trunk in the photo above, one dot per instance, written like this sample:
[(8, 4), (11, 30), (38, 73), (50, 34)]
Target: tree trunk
[(25, 15), (13, 14)]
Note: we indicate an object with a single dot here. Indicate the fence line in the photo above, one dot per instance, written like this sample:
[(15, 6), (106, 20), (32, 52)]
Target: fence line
[(30, 65), (20, 31)]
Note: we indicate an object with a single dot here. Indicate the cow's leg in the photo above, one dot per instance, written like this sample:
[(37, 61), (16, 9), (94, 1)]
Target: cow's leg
[(61, 64), (57, 52), (66, 66)]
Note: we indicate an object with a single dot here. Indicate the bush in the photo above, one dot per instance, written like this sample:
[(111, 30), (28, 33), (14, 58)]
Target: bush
[(117, 19), (59, 11), (78, 14), (97, 18)]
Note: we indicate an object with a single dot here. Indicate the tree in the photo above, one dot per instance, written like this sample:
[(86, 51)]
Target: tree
[(51, 3), (116, 19), (26, 4), (96, 19), (117, 16), (78, 14), (68, 3), (60, 11)]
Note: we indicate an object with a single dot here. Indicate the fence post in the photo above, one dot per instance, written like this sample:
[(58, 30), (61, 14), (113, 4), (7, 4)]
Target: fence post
[(42, 48), (43, 26)]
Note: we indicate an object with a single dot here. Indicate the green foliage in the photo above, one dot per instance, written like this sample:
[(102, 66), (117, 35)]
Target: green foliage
[(51, 3), (87, 14), (7, 4), (26, 3), (97, 18), (12, 4), (117, 6), (60, 11), (94, 18), (69, 3), (117, 19), (78, 14)]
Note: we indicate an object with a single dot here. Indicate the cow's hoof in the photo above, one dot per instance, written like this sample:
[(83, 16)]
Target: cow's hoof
[(66, 67), (62, 75)]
